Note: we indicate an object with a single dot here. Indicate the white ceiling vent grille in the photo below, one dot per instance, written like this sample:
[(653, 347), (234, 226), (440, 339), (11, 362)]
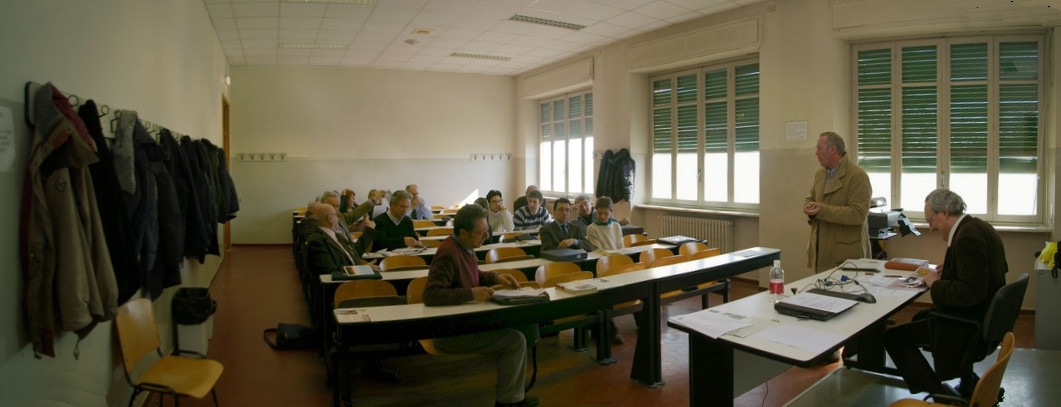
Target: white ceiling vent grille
[(480, 56), (542, 21)]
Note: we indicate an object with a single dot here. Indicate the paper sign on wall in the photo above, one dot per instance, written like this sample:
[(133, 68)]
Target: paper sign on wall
[(7, 140)]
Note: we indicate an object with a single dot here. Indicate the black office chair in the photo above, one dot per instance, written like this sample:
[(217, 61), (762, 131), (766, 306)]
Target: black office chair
[(1000, 318)]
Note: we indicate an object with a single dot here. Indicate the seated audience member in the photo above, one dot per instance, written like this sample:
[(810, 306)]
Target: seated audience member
[(455, 279), (329, 251), (586, 213), (481, 201), (973, 269), (534, 215), (393, 229), (346, 200), (499, 218), (352, 219), (605, 233), (562, 234), (419, 209), (522, 201)]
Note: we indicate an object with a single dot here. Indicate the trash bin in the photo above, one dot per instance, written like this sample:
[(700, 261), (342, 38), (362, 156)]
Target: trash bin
[(193, 311)]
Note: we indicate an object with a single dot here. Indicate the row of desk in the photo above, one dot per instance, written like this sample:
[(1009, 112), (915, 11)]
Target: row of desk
[(415, 321)]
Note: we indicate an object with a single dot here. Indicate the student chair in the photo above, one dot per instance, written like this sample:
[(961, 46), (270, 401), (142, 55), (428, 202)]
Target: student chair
[(611, 261), (701, 289), (499, 254), (363, 288), (550, 270), (637, 239), (171, 374), (690, 248), (440, 232), (988, 391), (423, 223), (395, 263), (648, 256)]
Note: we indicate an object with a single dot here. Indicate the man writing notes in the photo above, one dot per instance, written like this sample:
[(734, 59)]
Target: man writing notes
[(837, 207), (533, 215), (562, 234), (972, 270), (455, 279), (395, 230)]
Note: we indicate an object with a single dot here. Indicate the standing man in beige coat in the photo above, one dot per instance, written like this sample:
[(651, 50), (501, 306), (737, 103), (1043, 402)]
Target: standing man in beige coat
[(836, 208)]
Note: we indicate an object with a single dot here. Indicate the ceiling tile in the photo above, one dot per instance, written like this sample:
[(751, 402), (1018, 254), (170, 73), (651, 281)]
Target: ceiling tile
[(257, 22), (256, 9)]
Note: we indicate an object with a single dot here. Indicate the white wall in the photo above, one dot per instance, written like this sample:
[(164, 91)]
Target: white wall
[(365, 129), (160, 58)]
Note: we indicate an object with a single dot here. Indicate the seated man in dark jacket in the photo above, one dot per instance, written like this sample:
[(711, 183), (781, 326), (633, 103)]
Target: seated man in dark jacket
[(328, 251), (972, 271)]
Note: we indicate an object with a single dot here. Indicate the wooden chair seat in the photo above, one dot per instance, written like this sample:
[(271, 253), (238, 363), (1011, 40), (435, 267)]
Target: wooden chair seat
[(648, 256), (423, 223), (440, 232), (499, 254), (550, 270), (395, 263), (637, 239), (177, 376)]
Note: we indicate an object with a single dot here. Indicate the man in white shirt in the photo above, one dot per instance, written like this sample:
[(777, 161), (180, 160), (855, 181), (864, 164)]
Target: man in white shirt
[(498, 216), (419, 209)]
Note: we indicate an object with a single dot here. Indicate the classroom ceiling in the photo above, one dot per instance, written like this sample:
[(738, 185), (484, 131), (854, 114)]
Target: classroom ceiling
[(496, 37)]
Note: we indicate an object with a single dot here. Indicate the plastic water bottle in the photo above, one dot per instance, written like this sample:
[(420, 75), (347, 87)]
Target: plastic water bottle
[(777, 282)]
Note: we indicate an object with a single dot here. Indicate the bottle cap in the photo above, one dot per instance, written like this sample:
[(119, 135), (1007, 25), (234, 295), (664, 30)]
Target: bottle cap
[(777, 263)]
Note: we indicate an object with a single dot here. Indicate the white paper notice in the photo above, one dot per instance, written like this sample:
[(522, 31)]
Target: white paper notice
[(796, 130), (7, 140), (710, 323), (802, 338)]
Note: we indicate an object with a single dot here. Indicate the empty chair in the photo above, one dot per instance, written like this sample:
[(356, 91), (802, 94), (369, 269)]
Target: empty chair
[(363, 288), (669, 260), (414, 292), (703, 254), (987, 391), (440, 232), (395, 263), (423, 223), (567, 277), (648, 256), (174, 375), (506, 254), (689, 248), (637, 239), (550, 270), (701, 289), (431, 242), (607, 263)]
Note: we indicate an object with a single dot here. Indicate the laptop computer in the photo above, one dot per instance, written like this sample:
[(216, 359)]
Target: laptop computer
[(809, 305)]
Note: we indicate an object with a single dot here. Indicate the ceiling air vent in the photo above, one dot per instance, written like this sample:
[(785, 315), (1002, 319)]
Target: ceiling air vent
[(480, 56), (542, 21)]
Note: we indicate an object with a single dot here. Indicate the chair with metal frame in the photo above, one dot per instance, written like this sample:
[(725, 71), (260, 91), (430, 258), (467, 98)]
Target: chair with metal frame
[(550, 270), (988, 391), (171, 374)]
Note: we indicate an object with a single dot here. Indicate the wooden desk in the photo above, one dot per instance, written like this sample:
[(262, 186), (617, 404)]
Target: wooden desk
[(416, 321), (711, 361)]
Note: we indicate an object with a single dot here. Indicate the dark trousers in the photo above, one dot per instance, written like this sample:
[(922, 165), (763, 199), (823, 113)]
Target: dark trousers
[(904, 343)]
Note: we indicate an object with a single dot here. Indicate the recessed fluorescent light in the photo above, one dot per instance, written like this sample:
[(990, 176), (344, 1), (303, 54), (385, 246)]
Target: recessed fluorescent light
[(542, 21), (313, 45), (353, 2), (480, 56)]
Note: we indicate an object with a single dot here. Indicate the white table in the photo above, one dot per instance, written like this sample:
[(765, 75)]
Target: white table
[(711, 360)]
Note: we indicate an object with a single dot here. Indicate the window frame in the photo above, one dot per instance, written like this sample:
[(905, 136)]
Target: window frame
[(586, 159), (731, 100), (944, 84)]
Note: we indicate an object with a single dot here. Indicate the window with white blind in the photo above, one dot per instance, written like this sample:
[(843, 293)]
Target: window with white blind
[(565, 125), (961, 113), (705, 137)]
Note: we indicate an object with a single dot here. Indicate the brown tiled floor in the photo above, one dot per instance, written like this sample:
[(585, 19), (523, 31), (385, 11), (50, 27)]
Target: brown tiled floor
[(258, 287)]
